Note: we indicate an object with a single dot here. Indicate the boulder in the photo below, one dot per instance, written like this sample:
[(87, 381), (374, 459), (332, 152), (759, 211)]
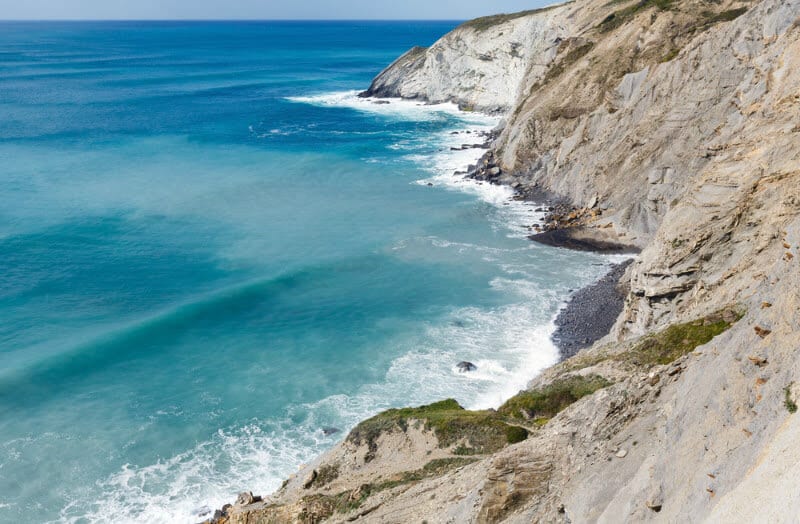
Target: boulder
[(466, 367), (328, 431), (245, 498)]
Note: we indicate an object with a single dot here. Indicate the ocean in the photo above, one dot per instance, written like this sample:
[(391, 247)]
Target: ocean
[(211, 249)]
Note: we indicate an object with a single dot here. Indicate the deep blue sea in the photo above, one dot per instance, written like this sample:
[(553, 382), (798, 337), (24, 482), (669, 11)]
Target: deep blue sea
[(210, 249)]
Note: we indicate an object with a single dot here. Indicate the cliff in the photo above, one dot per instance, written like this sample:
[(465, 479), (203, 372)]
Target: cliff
[(674, 126), (480, 66)]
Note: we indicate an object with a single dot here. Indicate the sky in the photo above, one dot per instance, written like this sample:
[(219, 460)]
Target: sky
[(259, 9)]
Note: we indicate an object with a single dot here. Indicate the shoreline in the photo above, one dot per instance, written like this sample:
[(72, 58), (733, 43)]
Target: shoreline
[(585, 316), (710, 303), (590, 312)]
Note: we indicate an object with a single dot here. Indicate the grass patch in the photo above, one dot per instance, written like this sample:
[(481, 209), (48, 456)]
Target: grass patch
[(487, 22), (668, 58), (327, 474), (540, 422), (705, 20), (710, 17), (516, 434), (678, 340), (484, 430), (622, 16), (572, 56), (791, 405), (318, 508), (544, 403)]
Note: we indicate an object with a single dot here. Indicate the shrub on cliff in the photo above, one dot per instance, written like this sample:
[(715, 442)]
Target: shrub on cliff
[(476, 432), (548, 401)]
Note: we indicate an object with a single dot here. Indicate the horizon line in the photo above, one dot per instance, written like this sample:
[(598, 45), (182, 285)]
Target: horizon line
[(2, 20)]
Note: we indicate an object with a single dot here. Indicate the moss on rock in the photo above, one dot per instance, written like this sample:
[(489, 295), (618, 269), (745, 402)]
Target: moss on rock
[(485, 431), (679, 340), (547, 401), (327, 474)]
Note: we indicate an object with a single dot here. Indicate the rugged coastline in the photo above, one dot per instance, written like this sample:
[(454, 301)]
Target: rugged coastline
[(591, 312), (665, 127)]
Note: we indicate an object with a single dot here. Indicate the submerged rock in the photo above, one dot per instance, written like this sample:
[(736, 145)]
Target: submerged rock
[(328, 431), (466, 367)]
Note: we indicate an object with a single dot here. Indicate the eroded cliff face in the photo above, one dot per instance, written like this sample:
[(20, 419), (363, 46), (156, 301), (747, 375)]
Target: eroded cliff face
[(678, 123), (672, 151), (482, 65)]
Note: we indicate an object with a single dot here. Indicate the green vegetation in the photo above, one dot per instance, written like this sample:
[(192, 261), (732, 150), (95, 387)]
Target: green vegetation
[(321, 507), (706, 19), (710, 17), (677, 242), (572, 56), (487, 22), (516, 434), (678, 340), (791, 405), (451, 423), (620, 17), (544, 403), (327, 474), (668, 58)]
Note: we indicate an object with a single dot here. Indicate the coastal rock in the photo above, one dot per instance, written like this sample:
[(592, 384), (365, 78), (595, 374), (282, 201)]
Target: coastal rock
[(246, 498), (466, 367), (309, 481), (483, 65), (329, 430), (591, 313), (682, 122)]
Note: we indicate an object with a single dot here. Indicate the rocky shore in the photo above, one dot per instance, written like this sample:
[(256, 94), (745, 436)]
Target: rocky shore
[(666, 127), (591, 313)]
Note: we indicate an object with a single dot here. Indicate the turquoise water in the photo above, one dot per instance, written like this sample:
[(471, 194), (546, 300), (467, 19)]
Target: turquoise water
[(210, 249)]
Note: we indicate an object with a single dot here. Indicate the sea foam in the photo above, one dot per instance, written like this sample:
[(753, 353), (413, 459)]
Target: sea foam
[(509, 344)]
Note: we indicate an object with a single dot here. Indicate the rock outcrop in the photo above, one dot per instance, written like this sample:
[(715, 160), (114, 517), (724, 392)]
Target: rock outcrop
[(672, 126), (480, 66)]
